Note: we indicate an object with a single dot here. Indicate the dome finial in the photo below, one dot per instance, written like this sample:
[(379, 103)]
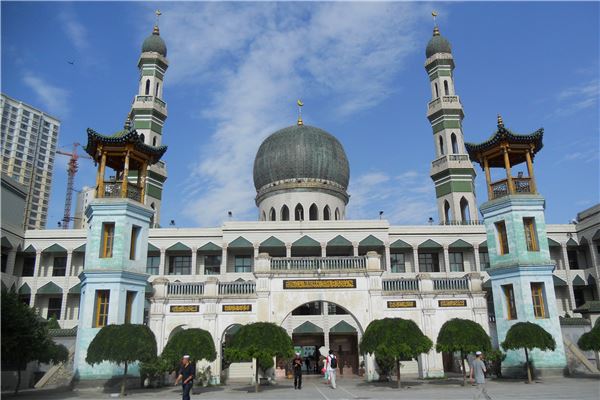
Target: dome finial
[(156, 31), (436, 30), (300, 104), (500, 122)]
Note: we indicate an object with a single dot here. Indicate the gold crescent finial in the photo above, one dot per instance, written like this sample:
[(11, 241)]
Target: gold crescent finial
[(158, 14), (300, 104), (436, 30)]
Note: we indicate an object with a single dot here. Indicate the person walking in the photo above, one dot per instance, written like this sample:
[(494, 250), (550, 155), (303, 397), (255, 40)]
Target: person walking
[(331, 366), (478, 372), (297, 365), (186, 374)]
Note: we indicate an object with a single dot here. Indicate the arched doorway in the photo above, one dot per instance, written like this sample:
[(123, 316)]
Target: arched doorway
[(225, 340), (315, 324)]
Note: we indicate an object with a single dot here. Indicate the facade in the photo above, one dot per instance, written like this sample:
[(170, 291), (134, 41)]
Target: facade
[(29, 139), (84, 198), (301, 265)]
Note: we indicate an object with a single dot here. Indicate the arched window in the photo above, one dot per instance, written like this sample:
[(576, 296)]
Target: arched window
[(441, 146), (437, 92), (156, 94), (285, 213), (454, 144), (326, 213), (299, 213), (446, 91), (465, 214), (142, 138), (263, 216), (147, 87), (154, 141), (313, 212), (272, 214), (447, 215), (337, 214)]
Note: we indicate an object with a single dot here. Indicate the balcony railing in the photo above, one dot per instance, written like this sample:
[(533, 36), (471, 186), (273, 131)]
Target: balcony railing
[(318, 263), (237, 288), (185, 288), (449, 157), (443, 99), (460, 222), (114, 189), (501, 189), (400, 285), (450, 284), (150, 99)]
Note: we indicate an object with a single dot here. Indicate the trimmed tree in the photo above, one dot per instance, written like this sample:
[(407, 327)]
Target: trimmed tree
[(464, 336), (262, 341), (25, 337), (528, 336), (195, 342), (122, 345), (395, 338), (591, 340)]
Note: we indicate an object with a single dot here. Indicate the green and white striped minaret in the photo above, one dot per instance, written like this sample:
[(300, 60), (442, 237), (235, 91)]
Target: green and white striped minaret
[(451, 170), (149, 112)]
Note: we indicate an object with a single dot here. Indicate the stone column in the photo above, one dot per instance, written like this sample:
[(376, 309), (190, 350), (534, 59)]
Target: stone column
[(416, 260), (565, 255), (446, 259), (63, 305), (288, 250), (224, 260), (10, 262), (387, 263), (355, 249), (476, 255), (194, 260), (161, 263), (594, 260), (38, 259), (323, 249)]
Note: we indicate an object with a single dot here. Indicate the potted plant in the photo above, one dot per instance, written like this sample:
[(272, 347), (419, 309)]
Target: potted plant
[(204, 376), (495, 358), (361, 369)]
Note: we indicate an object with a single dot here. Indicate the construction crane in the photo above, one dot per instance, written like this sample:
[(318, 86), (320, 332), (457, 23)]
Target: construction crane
[(72, 169)]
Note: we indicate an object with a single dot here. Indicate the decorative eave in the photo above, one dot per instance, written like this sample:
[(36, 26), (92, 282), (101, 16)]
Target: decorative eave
[(123, 138)]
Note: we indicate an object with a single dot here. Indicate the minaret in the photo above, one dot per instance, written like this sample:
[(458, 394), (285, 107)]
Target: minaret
[(149, 112), (451, 170), (520, 264)]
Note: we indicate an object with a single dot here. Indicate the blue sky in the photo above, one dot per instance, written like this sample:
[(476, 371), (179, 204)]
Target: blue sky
[(236, 70)]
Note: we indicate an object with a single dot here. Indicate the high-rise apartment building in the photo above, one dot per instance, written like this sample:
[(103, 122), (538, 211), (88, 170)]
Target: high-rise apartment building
[(29, 139)]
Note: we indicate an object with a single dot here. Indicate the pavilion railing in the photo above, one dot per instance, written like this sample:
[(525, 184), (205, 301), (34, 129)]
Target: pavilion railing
[(500, 188), (318, 263), (114, 189)]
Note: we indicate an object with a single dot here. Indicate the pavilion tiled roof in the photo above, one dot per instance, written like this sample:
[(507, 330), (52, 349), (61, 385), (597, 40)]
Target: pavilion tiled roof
[(125, 136), (503, 134)]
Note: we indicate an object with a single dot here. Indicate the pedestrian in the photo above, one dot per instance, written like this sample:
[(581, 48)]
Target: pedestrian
[(186, 374), (297, 365), (478, 372), (331, 366)]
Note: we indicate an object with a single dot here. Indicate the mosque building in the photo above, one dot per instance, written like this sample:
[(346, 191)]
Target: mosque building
[(302, 264)]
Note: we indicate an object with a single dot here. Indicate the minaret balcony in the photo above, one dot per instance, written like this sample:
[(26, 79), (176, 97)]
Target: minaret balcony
[(446, 102), (114, 189), (502, 187), (450, 161), (150, 102)]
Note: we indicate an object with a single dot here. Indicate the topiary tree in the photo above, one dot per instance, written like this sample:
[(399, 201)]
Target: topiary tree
[(395, 338), (262, 341), (527, 335), (53, 323), (464, 336), (25, 337), (591, 340), (195, 342), (122, 344)]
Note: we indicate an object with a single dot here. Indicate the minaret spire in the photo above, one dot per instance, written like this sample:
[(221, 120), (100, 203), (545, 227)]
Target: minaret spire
[(436, 29), (300, 105)]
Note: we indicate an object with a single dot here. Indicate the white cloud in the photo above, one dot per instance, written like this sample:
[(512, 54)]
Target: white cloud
[(74, 30), (53, 98), (578, 98), (257, 58)]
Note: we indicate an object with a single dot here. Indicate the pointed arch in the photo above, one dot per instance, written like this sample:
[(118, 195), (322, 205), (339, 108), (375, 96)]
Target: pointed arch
[(337, 214), (156, 91), (154, 141), (446, 90), (454, 143), (263, 216), (326, 213), (447, 213), (285, 213), (441, 140), (147, 92), (465, 212), (313, 212), (299, 212), (272, 214)]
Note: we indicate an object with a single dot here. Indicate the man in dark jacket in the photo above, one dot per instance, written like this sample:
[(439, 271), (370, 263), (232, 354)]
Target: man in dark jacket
[(297, 366), (186, 374)]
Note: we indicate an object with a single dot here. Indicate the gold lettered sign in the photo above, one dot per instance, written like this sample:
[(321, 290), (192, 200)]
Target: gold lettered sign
[(181, 309), (320, 284), (452, 303), (402, 304), (237, 307)]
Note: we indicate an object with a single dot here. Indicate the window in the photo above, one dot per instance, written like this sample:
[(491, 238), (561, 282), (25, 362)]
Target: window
[(108, 238), (441, 139), (156, 92), (152, 265), (397, 262), (299, 213), (530, 234), (338, 216), (180, 265), (135, 237), (212, 265), (129, 306), (313, 212), (101, 317), (147, 87), (429, 262), (243, 264), (154, 141), (4, 261), (509, 297), (572, 256), (272, 214), (437, 92), (285, 213), (326, 213), (456, 262), (537, 296), (454, 144), (446, 90), (447, 215), (59, 266), (28, 266), (502, 237), (484, 260), (54, 304), (142, 138)]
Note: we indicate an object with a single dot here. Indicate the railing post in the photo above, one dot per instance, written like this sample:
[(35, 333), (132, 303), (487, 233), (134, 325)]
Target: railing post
[(263, 263), (373, 261), (474, 281), (425, 282)]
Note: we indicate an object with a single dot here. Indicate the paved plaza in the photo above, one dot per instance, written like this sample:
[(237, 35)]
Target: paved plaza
[(355, 389)]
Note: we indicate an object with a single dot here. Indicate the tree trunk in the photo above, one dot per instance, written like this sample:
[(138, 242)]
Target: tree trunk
[(528, 368), (256, 379), (124, 381), (464, 371), (18, 380), (398, 385)]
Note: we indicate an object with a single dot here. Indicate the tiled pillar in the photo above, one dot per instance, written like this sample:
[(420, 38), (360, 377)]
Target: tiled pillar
[(565, 255), (161, 263), (416, 260)]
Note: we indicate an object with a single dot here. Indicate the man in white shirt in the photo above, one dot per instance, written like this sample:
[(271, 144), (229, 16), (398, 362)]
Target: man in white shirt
[(331, 364), (478, 376)]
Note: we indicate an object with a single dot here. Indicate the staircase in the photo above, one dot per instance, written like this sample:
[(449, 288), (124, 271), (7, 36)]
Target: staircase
[(60, 374), (577, 361)]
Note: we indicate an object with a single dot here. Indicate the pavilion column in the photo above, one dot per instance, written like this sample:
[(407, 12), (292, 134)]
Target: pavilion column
[(416, 260), (142, 181), (194, 260), (446, 259), (565, 255), (532, 186), (511, 184), (161, 263), (10, 262), (488, 178), (101, 176), (476, 255), (125, 173)]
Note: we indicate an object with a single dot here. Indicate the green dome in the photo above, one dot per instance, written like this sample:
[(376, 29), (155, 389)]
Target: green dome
[(154, 43), (301, 152), (437, 44)]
